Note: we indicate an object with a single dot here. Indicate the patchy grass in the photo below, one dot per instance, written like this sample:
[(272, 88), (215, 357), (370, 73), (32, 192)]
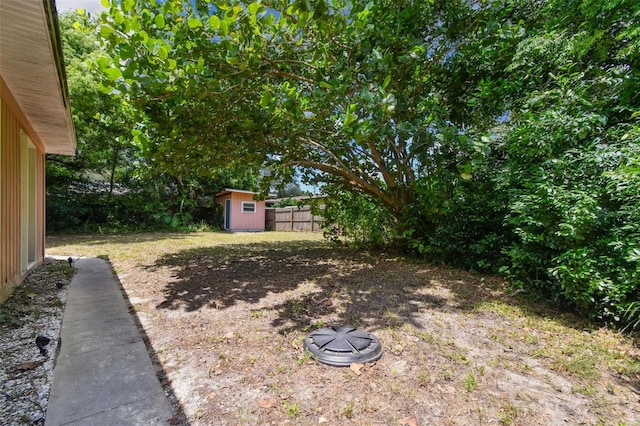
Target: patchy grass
[(568, 343), (226, 315)]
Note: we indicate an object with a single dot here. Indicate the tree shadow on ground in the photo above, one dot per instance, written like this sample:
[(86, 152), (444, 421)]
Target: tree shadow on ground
[(319, 283), (161, 373), (292, 288), (221, 276)]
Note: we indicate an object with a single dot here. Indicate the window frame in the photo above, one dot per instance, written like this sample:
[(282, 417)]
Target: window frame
[(249, 203)]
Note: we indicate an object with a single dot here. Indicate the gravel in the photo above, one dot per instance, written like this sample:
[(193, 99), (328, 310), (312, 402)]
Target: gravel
[(34, 309)]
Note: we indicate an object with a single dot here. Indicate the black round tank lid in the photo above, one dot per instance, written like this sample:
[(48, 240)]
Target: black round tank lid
[(341, 346)]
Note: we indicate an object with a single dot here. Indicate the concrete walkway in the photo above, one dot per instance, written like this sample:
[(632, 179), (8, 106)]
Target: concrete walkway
[(103, 375)]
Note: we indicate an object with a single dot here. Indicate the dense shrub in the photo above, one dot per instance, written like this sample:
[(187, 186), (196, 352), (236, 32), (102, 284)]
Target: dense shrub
[(358, 219)]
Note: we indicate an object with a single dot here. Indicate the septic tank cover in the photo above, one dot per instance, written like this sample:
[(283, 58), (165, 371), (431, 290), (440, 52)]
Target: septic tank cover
[(341, 346)]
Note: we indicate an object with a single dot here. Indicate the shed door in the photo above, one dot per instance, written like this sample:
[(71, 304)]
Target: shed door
[(227, 214)]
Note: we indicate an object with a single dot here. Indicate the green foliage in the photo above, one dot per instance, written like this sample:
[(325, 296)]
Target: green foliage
[(632, 315), (112, 185), (357, 219), (471, 232), (553, 201), (569, 162), (290, 189), (286, 202), (493, 135), (342, 95)]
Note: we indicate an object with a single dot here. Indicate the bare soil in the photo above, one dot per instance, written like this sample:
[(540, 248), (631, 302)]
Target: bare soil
[(225, 322)]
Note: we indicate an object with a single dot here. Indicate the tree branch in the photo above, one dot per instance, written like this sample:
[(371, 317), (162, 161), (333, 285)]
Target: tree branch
[(350, 178), (285, 74)]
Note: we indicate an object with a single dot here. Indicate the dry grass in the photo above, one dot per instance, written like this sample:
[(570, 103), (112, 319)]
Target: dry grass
[(225, 316)]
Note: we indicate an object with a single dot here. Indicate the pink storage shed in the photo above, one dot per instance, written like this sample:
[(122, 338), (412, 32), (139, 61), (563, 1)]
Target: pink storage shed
[(241, 212)]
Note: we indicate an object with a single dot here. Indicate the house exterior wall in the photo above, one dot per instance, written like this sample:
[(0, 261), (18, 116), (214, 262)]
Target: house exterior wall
[(243, 221), (21, 195), (35, 118)]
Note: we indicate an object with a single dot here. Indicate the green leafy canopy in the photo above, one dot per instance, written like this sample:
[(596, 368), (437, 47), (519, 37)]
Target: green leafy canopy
[(496, 134)]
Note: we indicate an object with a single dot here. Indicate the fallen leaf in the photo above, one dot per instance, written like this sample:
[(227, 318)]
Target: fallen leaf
[(408, 421), (356, 368), (212, 395), (174, 421), (24, 366), (268, 403)]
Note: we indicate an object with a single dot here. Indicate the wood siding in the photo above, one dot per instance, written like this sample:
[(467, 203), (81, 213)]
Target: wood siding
[(21, 202), (35, 118), (241, 221)]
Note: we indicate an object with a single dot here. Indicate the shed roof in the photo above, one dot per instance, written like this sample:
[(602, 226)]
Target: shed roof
[(227, 191), (32, 67)]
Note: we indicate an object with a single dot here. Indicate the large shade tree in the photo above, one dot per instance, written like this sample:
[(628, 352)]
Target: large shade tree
[(494, 133), (349, 93)]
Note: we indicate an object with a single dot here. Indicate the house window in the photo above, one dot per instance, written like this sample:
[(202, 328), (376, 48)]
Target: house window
[(248, 207)]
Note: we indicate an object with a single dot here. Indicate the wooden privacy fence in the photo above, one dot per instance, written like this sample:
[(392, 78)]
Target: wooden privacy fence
[(293, 219)]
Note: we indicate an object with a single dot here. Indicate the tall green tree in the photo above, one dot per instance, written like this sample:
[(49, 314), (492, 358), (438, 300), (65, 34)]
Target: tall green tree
[(345, 92), (81, 188), (110, 183), (492, 133)]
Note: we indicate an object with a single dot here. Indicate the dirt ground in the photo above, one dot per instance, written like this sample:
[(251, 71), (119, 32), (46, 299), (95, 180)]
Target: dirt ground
[(225, 323)]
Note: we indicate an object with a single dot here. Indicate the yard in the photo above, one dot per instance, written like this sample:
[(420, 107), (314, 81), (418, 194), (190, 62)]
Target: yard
[(225, 316)]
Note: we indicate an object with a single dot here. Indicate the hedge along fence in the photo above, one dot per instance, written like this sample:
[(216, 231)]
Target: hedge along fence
[(293, 219)]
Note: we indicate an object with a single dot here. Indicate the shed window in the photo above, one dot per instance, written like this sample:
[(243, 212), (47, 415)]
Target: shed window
[(248, 207)]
